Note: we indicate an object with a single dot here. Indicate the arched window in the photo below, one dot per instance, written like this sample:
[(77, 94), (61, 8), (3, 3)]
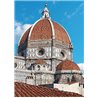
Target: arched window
[(44, 66), (73, 79), (38, 67), (68, 80), (32, 67)]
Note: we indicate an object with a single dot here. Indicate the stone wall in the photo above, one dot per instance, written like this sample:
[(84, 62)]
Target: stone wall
[(68, 77), (75, 87), (52, 52), (52, 49), (34, 78)]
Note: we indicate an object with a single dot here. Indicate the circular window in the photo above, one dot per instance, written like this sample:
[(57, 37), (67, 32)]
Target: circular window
[(63, 54), (41, 51)]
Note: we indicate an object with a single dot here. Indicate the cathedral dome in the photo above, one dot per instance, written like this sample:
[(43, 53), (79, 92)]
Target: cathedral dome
[(67, 65), (46, 29)]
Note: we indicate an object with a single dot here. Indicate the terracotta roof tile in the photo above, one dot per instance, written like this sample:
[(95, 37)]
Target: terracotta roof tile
[(61, 34), (26, 90), (24, 37), (67, 65), (42, 30)]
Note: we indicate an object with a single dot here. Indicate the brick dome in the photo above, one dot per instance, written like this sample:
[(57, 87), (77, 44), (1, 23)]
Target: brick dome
[(45, 29), (67, 65)]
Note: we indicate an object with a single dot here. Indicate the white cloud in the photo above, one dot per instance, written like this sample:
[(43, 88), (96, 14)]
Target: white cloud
[(81, 65), (20, 28)]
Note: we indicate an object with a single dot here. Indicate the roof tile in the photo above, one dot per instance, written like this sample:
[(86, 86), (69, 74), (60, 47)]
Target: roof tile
[(26, 90)]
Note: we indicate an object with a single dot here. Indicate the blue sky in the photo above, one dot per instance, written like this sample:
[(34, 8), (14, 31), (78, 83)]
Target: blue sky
[(70, 14)]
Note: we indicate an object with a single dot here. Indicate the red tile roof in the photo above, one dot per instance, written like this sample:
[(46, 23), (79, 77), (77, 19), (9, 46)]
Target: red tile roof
[(42, 30), (67, 65), (60, 33), (24, 37), (26, 90)]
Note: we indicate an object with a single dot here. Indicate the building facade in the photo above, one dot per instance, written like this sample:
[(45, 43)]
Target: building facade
[(45, 54)]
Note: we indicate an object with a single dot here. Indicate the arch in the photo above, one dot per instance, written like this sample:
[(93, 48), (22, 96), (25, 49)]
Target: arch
[(32, 66), (44, 66), (68, 79), (38, 67), (73, 79)]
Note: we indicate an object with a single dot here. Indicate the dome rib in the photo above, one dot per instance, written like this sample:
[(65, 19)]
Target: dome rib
[(42, 30), (53, 32), (33, 27), (61, 33)]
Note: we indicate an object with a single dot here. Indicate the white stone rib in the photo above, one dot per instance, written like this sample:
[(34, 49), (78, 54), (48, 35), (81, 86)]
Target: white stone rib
[(53, 32), (65, 31), (33, 27)]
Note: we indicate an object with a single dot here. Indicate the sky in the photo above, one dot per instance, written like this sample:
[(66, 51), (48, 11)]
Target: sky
[(69, 14)]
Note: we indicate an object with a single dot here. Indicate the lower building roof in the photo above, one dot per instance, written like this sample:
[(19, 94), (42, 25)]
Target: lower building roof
[(27, 90)]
